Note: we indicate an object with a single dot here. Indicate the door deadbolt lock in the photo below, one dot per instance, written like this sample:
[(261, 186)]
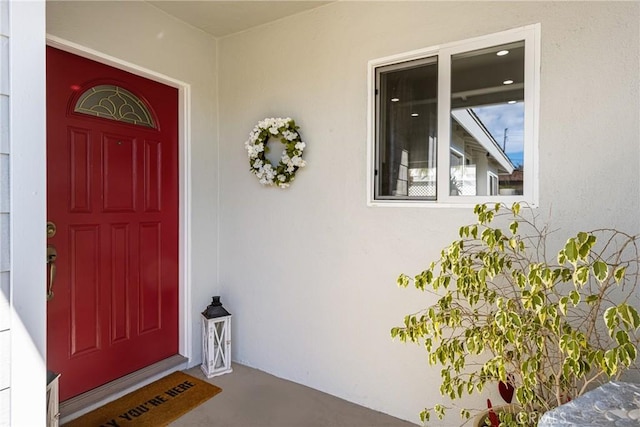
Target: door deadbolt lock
[(51, 229)]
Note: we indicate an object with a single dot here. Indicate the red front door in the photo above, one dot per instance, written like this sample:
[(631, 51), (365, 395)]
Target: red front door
[(112, 193)]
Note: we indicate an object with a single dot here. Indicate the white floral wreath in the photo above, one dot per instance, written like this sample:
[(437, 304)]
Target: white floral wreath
[(291, 159)]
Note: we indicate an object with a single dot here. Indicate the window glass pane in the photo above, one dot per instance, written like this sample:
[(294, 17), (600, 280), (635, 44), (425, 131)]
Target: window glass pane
[(487, 121), (406, 130), (114, 103)]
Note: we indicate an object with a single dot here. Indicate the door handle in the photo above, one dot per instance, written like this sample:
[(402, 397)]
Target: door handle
[(52, 254)]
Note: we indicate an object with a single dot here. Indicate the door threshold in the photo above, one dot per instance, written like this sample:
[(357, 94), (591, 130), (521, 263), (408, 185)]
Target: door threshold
[(99, 396)]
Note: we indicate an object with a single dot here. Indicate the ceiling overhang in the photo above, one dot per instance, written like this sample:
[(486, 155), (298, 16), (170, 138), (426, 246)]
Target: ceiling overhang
[(222, 18)]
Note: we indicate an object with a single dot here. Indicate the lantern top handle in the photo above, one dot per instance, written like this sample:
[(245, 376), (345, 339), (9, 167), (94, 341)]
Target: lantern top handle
[(215, 309)]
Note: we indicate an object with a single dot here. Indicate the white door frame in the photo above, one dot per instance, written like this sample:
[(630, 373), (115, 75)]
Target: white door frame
[(184, 176), (24, 402)]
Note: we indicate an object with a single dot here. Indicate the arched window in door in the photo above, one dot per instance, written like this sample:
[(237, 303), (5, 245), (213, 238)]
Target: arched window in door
[(114, 103)]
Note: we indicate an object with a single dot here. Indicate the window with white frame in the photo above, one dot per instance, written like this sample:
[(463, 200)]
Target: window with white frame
[(457, 123), (492, 178)]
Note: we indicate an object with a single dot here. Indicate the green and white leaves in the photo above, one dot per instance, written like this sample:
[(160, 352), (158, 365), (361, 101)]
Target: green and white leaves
[(501, 310)]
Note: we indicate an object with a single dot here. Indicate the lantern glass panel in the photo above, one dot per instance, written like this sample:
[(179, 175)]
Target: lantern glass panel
[(218, 346)]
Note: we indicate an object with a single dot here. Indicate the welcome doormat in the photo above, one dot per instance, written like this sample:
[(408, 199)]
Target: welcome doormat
[(156, 404)]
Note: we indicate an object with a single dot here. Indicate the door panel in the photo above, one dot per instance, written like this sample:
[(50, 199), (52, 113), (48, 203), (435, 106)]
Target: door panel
[(112, 192), (118, 179), (150, 277), (80, 162), (152, 176), (120, 301), (84, 283)]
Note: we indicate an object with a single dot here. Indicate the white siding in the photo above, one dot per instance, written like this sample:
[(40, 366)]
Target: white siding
[(5, 338), (5, 361), (23, 217), (4, 407)]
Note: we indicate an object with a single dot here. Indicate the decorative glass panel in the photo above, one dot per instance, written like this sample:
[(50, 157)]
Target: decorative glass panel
[(115, 103)]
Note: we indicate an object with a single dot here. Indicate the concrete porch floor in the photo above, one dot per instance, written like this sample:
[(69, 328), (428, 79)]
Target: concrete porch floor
[(252, 398)]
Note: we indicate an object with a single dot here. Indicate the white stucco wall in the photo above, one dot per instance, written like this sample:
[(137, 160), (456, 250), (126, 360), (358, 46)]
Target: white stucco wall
[(141, 34), (309, 273)]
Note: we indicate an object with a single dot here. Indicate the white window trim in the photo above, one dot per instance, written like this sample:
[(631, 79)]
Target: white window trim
[(531, 36), (489, 176)]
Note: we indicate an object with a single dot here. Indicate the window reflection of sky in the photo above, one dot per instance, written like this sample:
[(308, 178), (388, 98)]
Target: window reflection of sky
[(497, 118)]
